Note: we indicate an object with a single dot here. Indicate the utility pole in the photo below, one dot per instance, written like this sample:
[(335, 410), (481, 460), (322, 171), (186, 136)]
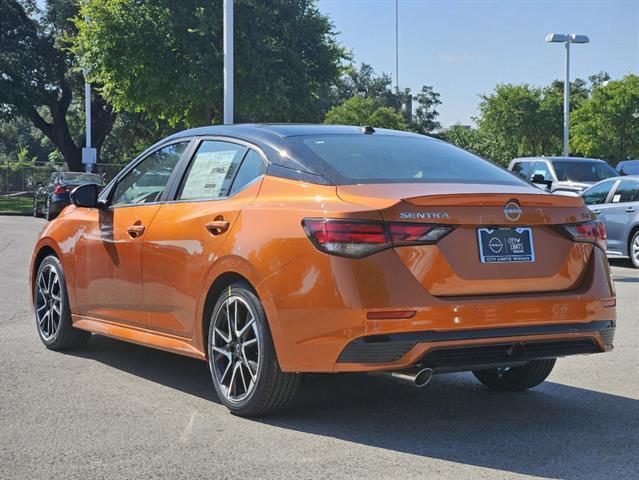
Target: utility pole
[(89, 155), (567, 101), (228, 62), (567, 39), (397, 46)]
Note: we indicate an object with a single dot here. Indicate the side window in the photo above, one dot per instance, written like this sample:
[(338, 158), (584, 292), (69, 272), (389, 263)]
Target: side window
[(598, 193), (211, 171), (146, 182), (541, 168), (252, 167), (627, 191), (522, 169)]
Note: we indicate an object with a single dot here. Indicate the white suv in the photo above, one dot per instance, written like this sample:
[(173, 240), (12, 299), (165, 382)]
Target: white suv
[(562, 175)]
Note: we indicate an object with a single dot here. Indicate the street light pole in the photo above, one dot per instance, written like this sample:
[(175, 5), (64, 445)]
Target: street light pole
[(567, 40), (87, 109), (89, 155), (228, 62), (397, 46)]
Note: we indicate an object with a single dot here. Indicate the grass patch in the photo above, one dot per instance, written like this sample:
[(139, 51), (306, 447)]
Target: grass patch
[(16, 204)]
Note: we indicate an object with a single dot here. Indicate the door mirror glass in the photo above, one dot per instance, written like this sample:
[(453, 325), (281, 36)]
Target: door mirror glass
[(85, 196), (539, 179)]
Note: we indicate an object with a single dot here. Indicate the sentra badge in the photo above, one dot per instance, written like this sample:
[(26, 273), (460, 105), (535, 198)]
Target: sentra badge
[(423, 215)]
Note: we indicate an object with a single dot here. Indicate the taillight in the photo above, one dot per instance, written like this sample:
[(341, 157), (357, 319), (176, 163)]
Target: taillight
[(590, 232), (59, 189), (358, 238)]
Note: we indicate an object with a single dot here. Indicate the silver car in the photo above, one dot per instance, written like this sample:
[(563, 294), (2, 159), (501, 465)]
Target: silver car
[(615, 201), (562, 175)]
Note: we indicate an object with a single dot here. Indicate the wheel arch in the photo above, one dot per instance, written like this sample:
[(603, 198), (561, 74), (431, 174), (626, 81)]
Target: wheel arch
[(634, 229), (41, 252), (217, 287), (225, 272)]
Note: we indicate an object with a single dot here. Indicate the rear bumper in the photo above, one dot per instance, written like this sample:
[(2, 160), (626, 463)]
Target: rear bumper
[(318, 307), (468, 349)]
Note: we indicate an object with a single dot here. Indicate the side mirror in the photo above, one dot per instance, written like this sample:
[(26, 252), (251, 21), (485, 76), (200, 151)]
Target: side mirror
[(539, 179), (85, 196)]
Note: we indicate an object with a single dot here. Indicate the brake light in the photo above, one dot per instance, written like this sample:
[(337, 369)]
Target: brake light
[(358, 238), (59, 189), (590, 232)]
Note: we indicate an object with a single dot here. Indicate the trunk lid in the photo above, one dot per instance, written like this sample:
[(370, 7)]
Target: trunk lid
[(453, 266)]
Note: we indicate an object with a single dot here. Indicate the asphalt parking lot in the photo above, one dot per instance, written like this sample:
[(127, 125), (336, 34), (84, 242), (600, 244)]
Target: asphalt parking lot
[(115, 410)]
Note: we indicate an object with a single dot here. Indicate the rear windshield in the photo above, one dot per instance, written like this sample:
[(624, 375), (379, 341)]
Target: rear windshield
[(352, 159), (630, 169), (582, 171), (81, 177)]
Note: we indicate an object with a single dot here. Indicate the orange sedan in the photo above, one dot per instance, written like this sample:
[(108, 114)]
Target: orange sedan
[(274, 250)]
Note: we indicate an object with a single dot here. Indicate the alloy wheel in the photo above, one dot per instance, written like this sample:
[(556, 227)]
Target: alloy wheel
[(635, 249), (48, 302), (235, 349)]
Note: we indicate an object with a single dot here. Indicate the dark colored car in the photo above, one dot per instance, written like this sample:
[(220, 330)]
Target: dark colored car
[(50, 198), (628, 167)]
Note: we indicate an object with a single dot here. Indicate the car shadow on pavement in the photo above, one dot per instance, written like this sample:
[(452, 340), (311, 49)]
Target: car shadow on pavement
[(555, 430)]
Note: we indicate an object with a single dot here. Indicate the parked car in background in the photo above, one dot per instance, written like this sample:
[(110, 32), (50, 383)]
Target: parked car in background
[(628, 167), (562, 175), (615, 201), (50, 198)]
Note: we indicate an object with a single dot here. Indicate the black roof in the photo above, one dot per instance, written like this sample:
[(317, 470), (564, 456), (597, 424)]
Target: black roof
[(272, 138)]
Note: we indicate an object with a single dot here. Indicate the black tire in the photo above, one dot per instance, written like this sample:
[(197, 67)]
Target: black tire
[(516, 379), (63, 336), (272, 389), (634, 259)]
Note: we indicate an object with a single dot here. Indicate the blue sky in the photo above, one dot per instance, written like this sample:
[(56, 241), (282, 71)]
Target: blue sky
[(465, 47)]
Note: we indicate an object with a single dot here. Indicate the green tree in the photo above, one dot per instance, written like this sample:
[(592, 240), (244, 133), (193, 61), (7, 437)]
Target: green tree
[(522, 120), (474, 140), (511, 116), (365, 112), (607, 124), (364, 82), (37, 80), (164, 58), (424, 119)]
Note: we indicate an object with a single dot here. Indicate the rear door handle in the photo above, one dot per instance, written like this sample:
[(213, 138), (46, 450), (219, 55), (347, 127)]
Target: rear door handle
[(135, 231), (630, 209), (596, 212), (216, 227)]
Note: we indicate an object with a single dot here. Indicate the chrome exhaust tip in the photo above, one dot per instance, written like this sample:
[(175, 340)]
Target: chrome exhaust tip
[(414, 376)]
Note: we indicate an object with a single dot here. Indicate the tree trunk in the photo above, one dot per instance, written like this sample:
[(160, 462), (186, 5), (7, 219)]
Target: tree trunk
[(58, 130)]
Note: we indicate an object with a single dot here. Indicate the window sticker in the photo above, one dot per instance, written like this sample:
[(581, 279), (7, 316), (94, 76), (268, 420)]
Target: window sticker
[(616, 198), (207, 175)]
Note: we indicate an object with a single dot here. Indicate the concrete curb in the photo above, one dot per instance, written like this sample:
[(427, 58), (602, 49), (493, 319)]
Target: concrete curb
[(17, 214)]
